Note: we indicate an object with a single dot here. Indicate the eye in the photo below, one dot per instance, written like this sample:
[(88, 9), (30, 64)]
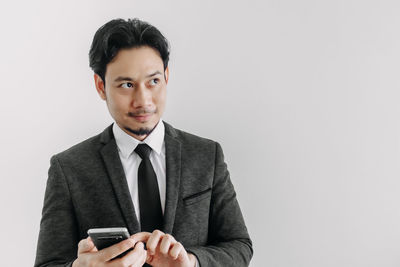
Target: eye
[(126, 85), (154, 81)]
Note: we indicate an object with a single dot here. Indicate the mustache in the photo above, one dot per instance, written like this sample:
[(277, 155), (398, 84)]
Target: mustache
[(144, 111)]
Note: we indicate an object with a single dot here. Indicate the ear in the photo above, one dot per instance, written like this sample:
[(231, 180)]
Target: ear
[(166, 75), (98, 81)]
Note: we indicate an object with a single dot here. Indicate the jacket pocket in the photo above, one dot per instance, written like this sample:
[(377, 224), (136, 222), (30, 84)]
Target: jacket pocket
[(189, 200)]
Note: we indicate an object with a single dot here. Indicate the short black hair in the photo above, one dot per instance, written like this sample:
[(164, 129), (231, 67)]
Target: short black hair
[(118, 34)]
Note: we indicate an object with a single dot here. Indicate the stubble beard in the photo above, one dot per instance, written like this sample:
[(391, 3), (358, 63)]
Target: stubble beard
[(144, 130), (140, 131)]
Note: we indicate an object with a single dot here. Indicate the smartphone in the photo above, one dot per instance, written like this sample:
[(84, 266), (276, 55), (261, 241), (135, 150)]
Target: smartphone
[(105, 237)]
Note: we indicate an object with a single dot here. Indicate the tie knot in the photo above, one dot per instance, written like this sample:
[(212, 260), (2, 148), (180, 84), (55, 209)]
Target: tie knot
[(143, 150)]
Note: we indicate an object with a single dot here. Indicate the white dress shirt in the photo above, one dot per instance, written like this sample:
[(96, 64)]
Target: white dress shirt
[(131, 160)]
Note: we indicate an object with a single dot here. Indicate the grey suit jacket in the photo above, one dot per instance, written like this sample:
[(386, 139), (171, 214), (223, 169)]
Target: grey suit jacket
[(87, 188)]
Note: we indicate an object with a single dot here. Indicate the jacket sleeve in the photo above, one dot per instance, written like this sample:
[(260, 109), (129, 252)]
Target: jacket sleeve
[(58, 237), (229, 243)]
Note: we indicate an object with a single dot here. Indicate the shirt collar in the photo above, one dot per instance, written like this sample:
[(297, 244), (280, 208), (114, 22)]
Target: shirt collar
[(127, 144)]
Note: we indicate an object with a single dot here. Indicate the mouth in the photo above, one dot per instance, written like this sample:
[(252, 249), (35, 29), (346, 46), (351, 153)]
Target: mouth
[(142, 117)]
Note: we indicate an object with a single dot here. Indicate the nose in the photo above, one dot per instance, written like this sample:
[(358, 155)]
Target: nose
[(142, 97)]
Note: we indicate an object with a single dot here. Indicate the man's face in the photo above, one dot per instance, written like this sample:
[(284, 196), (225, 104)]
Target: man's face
[(135, 90)]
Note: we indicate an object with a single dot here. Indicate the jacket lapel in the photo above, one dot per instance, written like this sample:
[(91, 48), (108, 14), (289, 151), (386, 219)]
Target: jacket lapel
[(173, 173), (113, 164)]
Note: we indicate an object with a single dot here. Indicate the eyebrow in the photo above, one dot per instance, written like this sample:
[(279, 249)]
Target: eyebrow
[(125, 78)]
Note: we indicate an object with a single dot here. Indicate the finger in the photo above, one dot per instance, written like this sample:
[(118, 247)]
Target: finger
[(91, 243), (149, 258), (141, 237), (139, 248), (176, 250), (166, 243), (85, 245), (136, 257), (142, 254), (114, 250), (153, 241)]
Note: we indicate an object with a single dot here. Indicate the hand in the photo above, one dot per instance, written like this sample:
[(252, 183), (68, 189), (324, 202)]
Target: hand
[(88, 255), (164, 251)]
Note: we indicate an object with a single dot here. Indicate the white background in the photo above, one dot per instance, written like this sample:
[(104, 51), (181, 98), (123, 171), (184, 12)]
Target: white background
[(302, 95)]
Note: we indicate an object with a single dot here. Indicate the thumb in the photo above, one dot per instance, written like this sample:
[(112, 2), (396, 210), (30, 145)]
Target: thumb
[(86, 245)]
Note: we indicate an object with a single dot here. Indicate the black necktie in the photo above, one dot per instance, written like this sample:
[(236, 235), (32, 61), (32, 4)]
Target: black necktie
[(151, 217)]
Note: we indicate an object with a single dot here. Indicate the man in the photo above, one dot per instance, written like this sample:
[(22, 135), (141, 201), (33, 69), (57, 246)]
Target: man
[(170, 189)]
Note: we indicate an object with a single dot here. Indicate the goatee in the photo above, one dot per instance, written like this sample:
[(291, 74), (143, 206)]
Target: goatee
[(140, 131)]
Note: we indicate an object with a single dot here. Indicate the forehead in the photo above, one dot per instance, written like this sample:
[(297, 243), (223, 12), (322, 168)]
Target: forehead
[(136, 62)]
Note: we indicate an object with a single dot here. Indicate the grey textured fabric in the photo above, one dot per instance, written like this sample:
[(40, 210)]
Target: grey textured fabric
[(86, 188)]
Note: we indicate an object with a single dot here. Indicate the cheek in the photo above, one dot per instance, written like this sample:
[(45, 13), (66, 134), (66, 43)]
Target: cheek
[(160, 99), (117, 104)]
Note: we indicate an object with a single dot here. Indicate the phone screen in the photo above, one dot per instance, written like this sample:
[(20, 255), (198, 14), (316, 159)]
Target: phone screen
[(105, 237)]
